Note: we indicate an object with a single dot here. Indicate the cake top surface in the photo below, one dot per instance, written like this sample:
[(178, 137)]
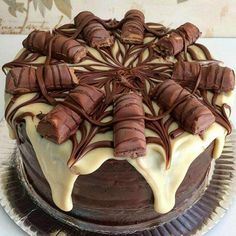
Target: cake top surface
[(119, 84), (123, 64)]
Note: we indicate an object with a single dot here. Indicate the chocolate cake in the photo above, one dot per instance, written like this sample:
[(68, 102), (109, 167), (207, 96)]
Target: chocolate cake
[(118, 122)]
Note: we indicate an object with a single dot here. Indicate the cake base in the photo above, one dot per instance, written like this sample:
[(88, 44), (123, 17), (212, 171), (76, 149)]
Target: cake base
[(31, 218)]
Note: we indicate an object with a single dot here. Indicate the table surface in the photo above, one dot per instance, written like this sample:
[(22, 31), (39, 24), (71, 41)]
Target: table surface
[(223, 49)]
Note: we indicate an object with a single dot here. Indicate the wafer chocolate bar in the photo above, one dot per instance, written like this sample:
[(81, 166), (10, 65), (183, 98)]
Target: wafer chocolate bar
[(59, 124), (62, 122), (92, 30), (129, 137), (22, 80), (190, 113), (63, 48), (37, 41), (133, 27), (178, 39), (211, 77)]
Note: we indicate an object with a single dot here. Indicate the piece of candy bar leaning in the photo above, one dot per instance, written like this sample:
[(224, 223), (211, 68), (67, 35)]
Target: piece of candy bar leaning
[(133, 27), (37, 41), (190, 113), (67, 49), (62, 122), (129, 137), (92, 30), (178, 39), (63, 48), (21, 80), (212, 77)]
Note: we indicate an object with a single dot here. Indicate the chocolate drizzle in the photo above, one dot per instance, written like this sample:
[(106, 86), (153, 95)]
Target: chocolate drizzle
[(117, 72)]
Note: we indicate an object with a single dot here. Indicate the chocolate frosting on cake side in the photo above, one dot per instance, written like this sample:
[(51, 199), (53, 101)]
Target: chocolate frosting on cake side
[(100, 96), (112, 194)]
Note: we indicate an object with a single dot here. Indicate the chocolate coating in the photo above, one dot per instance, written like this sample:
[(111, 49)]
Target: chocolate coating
[(24, 79), (133, 27), (93, 31), (62, 122), (178, 39), (192, 115), (129, 138), (211, 77)]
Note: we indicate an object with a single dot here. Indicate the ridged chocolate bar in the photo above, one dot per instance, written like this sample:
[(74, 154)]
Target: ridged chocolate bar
[(178, 39), (22, 80), (67, 49), (59, 124), (211, 77), (63, 48), (92, 30), (129, 137), (133, 27), (62, 122), (190, 113), (37, 41)]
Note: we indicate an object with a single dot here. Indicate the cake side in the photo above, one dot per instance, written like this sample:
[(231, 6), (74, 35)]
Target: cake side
[(112, 194)]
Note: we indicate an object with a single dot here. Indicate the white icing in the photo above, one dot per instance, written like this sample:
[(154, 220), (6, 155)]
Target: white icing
[(52, 158), (164, 182)]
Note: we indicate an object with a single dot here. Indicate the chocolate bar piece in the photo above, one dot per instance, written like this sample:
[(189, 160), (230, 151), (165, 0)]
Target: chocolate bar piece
[(59, 76), (92, 30), (67, 49), (133, 27), (63, 48), (191, 114), (37, 41), (21, 80), (59, 124), (129, 137), (178, 39), (62, 122), (85, 96), (211, 77)]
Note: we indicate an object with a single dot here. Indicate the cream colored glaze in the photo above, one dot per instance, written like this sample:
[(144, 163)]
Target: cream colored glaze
[(164, 182)]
